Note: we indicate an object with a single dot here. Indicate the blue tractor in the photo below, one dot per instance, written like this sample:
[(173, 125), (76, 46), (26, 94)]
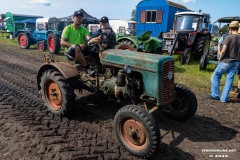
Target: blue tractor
[(46, 35)]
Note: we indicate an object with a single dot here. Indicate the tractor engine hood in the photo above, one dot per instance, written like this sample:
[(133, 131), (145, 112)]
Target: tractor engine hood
[(137, 60), (157, 71)]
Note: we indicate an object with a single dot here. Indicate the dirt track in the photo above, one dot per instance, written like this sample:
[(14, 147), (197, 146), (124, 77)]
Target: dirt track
[(29, 131)]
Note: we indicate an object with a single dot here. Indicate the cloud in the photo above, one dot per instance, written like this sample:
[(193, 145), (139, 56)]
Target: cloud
[(56, 5), (26, 7), (188, 1), (41, 2)]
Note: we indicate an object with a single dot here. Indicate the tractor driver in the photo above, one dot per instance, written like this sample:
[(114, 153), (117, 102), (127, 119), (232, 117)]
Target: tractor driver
[(73, 38)]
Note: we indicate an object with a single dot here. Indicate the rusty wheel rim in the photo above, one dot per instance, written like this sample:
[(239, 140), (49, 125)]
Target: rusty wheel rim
[(125, 48), (53, 95), (23, 40), (134, 134), (51, 43), (40, 47)]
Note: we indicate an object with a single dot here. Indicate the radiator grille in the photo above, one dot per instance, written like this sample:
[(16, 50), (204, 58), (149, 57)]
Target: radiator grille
[(167, 81)]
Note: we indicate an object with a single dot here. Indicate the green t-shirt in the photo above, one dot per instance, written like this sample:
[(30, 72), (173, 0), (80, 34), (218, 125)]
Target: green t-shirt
[(75, 36)]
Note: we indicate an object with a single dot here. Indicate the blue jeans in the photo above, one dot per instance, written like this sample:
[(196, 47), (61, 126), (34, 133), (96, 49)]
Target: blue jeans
[(229, 68)]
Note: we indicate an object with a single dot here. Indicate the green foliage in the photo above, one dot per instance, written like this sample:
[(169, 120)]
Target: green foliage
[(133, 15), (223, 30)]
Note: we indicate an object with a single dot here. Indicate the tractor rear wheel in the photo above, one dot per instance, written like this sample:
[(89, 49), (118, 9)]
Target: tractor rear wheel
[(184, 105), (126, 45), (57, 92), (137, 131), (202, 46), (41, 46), (23, 40), (203, 62), (53, 43)]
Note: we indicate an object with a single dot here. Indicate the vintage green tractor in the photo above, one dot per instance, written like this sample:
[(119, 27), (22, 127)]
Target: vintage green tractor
[(143, 43), (143, 81), (212, 56)]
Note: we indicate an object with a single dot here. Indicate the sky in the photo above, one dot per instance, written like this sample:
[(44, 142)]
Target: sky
[(114, 9)]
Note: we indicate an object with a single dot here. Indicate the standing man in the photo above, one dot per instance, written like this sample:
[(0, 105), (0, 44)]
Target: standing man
[(73, 39), (228, 63)]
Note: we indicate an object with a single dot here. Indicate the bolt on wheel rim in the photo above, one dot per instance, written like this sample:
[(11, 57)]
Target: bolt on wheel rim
[(53, 95), (23, 40), (51, 43), (125, 48), (40, 46), (134, 134)]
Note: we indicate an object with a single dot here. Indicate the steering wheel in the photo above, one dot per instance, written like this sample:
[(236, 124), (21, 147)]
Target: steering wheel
[(94, 36)]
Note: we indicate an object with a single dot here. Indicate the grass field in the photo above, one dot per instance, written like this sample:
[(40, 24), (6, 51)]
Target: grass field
[(189, 75)]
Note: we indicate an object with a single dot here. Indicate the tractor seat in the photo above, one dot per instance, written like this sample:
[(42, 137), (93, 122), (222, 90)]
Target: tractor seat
[(145, 36)]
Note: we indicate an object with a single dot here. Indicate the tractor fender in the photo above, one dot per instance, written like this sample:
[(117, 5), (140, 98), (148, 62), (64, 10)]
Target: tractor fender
[(66, 69), (132, 39), (20, 31)]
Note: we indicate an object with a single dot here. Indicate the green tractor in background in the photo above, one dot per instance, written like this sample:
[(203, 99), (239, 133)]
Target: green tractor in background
[(143, 43), (212, 56)]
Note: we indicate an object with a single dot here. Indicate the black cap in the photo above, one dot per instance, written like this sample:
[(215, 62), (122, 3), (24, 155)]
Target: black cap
[(104, 19), (78, 13)]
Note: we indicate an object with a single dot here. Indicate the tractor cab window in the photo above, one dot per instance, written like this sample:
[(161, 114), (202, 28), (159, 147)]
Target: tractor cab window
[(41, 26), (9, 22), (60, 26), (187, 23), (205, 24), (51, 26)]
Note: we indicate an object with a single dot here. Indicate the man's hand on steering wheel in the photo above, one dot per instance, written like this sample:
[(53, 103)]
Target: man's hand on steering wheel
[(82, 46)]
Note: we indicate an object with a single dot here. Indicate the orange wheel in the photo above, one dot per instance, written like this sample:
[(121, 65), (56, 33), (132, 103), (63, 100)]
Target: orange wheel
[(53, 95), (134, 134), (57, 92), (136, 130), (127, 45), (23, 40), (53, 43)]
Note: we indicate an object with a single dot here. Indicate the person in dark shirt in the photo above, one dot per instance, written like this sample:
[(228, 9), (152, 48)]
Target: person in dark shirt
[(228, 63), (107, 39)]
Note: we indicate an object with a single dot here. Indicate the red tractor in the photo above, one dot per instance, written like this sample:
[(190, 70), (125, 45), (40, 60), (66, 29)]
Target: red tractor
[(189, 36)]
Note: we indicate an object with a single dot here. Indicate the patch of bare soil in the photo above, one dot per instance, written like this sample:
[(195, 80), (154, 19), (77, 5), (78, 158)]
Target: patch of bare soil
[(29, 131)]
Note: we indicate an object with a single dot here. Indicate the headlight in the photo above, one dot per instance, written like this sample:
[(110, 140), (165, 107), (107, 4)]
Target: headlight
[(128, 70)]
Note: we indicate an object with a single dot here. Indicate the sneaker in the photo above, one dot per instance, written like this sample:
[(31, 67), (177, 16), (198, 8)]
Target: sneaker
[(211, 97), (236, 92)]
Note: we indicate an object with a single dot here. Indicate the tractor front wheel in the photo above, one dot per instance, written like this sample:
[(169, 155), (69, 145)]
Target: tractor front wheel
[(184, 105), (57, 92), (41, 46), (53, 43), (126, 45), (137, 131), (23, 41)]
